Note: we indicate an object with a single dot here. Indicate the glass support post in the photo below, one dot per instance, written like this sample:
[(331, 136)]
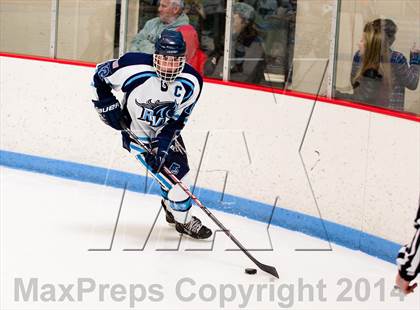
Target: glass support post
[(228, 40), (123, 27), (332, 64), (54, 30)]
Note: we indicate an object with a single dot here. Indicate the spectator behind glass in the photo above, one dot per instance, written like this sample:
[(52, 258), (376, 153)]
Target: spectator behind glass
[(279, 40), (213, 27), (380, 75), (246, 64), (264, 9), (170, 17), (195, 12), (194, 55)]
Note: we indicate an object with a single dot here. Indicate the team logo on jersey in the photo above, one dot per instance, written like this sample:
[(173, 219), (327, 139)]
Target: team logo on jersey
[(104, 69), (156, 112), (174, 168)]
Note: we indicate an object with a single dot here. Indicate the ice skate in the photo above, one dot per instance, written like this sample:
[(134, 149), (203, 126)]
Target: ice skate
[(194, 228)]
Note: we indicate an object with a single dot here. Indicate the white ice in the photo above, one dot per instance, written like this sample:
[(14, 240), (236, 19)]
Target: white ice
[(50, 225)]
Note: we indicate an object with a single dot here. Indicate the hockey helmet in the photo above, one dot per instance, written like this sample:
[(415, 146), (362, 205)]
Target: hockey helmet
[(169, 56)]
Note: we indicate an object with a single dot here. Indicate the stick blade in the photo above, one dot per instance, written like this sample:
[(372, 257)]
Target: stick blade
[(269, 269)]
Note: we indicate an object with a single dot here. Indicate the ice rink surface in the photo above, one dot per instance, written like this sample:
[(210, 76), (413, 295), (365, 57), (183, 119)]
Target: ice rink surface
[(74, 245)]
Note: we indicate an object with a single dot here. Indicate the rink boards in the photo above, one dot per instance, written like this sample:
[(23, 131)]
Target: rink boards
[(362, 167)]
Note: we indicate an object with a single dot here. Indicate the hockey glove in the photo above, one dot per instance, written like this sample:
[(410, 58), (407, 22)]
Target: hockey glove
[(157, 161), (109, 111)]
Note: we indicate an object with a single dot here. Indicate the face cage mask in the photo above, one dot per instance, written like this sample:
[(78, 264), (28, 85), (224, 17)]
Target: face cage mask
[(168, 67)]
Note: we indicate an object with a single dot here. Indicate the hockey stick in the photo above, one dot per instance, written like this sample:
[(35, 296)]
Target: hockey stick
[(269, 269)]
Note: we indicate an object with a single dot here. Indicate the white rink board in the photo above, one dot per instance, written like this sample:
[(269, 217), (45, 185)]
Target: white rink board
[(364, 167), (48, 225)]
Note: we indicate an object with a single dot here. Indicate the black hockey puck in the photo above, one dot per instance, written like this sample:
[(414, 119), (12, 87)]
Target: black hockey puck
[(250, 270)]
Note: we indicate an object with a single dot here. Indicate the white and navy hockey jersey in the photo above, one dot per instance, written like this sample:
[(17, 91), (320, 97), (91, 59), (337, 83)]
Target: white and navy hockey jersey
[(150, 106)]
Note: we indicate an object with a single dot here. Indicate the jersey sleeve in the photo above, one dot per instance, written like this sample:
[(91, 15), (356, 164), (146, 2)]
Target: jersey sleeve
[(408, 258), (100, 83), (407, 75), (112, 74)]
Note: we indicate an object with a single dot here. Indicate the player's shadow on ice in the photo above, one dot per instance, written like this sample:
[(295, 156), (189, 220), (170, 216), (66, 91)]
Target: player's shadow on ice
[(138, 237)]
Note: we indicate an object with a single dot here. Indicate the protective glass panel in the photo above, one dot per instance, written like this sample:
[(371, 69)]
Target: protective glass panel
[(280, 44), (311, 46), (139, 13), (86, 30), (379, 54), (25, 26), (261, 48), (202, 24), (212, 35)]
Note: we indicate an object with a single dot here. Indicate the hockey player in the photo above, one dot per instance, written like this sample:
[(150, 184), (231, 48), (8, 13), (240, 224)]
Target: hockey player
[(408, 261), (160, 92)]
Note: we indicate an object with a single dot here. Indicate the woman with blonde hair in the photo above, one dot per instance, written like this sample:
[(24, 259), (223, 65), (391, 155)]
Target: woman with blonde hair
[(380, 75)]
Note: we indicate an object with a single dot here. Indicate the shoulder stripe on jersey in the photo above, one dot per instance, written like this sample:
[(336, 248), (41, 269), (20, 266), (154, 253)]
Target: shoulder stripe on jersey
[(135, 58), (189, 87), (190, 70), (139, 78), (188, 96)]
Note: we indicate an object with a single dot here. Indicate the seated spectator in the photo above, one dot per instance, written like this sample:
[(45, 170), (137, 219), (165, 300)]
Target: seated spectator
[(380, 75), (246, 62), (195, 12), (279, 36), (264, 9), (171, 16), (213, 27), (194, 55)]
